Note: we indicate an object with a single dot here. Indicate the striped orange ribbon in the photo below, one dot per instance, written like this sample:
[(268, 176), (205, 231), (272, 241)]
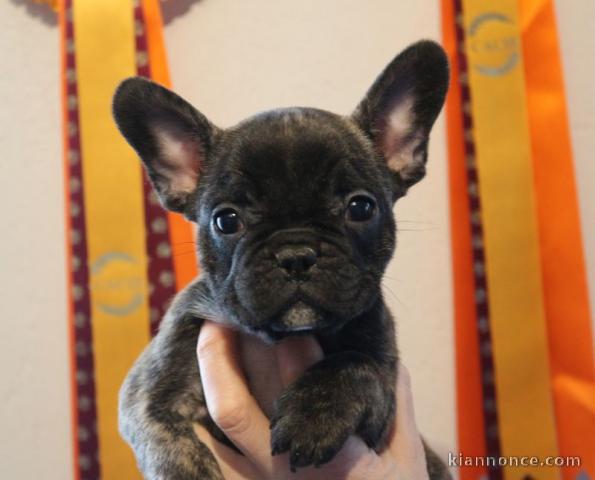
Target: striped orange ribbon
[(125, 252)]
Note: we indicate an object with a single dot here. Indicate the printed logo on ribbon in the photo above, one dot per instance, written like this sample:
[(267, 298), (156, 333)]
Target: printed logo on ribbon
[(493, 44), (116, 286)]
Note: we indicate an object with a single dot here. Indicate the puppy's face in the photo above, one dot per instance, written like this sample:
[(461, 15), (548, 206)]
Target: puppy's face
[(295, 222), (294, 206)]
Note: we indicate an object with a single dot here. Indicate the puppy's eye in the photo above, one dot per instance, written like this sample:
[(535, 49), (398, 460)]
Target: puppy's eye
[(228, 221), (360, 208)]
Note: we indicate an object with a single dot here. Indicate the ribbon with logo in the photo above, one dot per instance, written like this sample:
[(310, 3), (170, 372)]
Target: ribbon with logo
[(525, 380), (126, 256)]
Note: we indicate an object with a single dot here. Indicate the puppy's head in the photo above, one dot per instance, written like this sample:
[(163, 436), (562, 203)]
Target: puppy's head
[(293, 206)]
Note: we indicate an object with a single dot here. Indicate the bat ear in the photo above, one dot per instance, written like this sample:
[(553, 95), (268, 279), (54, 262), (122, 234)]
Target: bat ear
[(401, 106), (171, 137)]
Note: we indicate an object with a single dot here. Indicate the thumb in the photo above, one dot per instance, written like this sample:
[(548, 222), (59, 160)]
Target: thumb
[(406, 444)]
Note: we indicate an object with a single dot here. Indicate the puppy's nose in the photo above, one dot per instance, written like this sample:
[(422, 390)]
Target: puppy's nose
[(296, 259)]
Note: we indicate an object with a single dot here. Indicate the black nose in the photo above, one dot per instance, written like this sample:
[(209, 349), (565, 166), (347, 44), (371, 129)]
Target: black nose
[(296, 259)]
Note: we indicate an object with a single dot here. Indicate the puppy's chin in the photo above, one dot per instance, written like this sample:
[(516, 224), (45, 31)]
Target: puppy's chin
[(299, 318)]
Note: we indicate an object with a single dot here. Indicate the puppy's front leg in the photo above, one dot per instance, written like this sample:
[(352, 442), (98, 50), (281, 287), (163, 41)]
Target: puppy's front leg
[(161, 401), (346, 393)]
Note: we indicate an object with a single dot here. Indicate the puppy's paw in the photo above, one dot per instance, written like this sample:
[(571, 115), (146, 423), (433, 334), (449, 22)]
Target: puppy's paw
[(311, 427)]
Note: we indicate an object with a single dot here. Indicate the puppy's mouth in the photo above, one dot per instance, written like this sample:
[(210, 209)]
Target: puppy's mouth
[(277, 310)]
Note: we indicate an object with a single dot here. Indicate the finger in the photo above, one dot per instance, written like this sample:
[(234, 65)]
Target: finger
[(295, 355), (228, 399), (406, 444), (406, 409)]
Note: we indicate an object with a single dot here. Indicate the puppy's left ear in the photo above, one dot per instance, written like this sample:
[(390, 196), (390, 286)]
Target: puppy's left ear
[(400, 108), (171, 137)]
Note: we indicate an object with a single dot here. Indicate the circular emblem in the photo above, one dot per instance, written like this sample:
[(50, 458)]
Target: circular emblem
[(115, 284), (493, 44)]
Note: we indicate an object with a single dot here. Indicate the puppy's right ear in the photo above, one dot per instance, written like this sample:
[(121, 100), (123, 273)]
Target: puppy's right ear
[(171, 137)]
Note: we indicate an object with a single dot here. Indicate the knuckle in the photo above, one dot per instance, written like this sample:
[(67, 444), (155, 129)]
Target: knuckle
[(232, 418), (208, 345)]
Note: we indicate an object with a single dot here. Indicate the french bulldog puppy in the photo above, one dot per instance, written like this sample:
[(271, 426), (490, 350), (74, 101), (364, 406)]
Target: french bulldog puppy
[(294, 214)]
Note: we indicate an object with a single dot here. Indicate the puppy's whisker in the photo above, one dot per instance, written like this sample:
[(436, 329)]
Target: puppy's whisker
[(414, 221), (394, 295), (394, 279)]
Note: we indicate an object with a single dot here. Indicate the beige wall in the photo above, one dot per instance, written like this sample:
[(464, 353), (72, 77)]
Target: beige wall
[(231, 59), (34, 395)]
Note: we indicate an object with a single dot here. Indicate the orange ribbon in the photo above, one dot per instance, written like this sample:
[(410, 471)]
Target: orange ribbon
[(564, 278)]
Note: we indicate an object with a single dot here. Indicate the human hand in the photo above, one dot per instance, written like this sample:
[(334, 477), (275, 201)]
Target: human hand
[(239, 416)]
